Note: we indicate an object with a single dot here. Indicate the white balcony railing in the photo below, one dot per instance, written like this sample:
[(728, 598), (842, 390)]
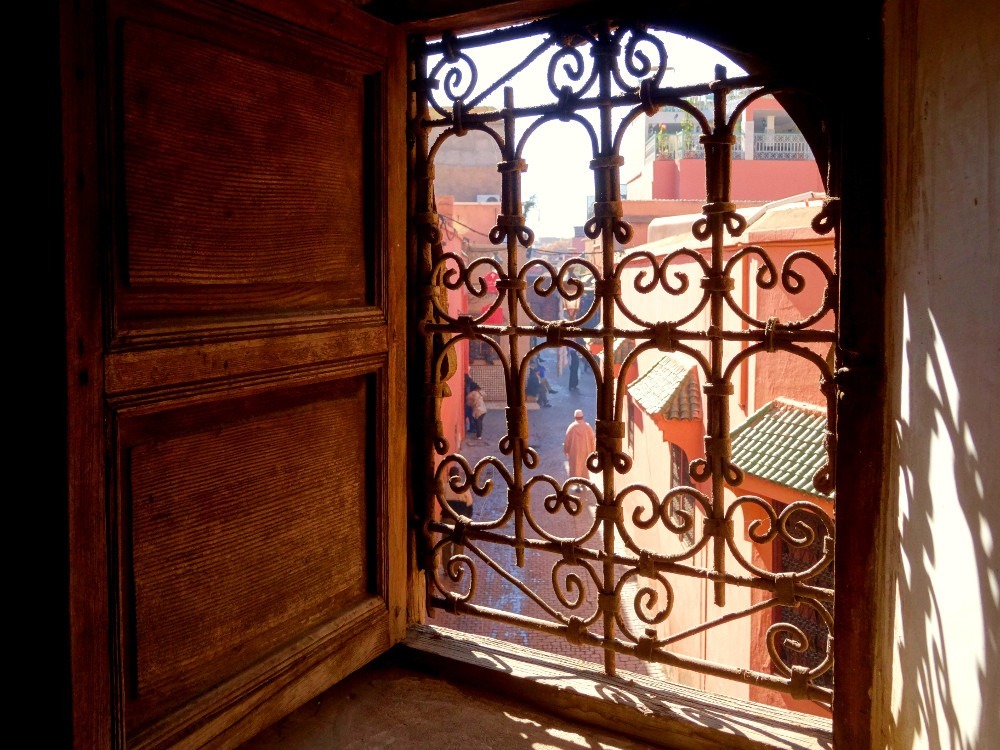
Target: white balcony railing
[(769, 146), (791, 146)]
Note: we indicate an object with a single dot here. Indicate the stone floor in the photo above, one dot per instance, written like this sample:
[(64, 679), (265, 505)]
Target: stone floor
[(387, 706)]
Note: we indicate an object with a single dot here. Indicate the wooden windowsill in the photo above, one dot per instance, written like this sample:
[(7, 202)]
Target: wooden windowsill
[(635, 706)]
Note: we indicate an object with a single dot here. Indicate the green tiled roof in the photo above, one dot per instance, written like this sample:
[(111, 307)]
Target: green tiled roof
[(782, 442), (669, 388)]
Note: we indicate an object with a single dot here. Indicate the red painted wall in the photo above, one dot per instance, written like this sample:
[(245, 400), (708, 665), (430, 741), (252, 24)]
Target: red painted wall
[(763, 180), (453, 407), (666, 179), (782, 373)]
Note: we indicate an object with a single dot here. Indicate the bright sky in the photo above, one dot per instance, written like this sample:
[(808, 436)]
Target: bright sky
[(558, 154)]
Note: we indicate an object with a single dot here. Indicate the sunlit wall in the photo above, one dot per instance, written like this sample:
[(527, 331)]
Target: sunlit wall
[(943, 149)]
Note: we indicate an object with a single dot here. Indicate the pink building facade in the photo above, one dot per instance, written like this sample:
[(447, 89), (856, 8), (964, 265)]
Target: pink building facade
[(771, 158)]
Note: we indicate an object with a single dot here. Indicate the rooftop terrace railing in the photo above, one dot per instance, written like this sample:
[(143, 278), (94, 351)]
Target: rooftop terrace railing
[(766, 146), (781, 146)]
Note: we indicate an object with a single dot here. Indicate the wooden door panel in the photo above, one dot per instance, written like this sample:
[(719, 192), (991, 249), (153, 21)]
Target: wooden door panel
[(242, 155), (246, 525), (216, 173), (252, 337)]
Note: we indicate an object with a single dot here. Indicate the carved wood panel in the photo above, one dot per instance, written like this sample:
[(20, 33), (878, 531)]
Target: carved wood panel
[(250, 321), (246, 524)]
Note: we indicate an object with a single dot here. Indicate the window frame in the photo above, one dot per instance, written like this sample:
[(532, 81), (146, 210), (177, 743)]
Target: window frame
[(863, 626)]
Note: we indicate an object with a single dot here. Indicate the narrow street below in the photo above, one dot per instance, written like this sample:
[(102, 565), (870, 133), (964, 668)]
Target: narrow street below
[(547, 430)]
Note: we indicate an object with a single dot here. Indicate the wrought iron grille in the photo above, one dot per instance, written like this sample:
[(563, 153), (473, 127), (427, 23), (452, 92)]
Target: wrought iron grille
[(608, 589)]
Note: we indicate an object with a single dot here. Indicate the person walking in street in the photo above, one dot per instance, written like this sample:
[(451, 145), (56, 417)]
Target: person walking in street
[(534, 388), (580, 442), (544, 381), (574, 371), (470, 385), (477, 405)]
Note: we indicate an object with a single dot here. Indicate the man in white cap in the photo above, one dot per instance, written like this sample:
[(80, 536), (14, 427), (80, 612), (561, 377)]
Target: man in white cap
[(579, 443)]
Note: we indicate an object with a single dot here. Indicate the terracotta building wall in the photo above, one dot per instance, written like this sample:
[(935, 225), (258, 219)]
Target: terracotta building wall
[(755, 179)]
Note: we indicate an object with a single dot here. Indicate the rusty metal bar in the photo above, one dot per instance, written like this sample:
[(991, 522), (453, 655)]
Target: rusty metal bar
[(762, 584), (759, 679)]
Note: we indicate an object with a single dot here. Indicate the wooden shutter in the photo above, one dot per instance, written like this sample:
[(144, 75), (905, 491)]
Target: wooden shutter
[(236, 260)]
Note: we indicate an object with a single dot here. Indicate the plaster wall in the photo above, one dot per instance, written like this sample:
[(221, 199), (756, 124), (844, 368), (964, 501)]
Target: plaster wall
[(467, 181), (782, 373), (667, 180), (466, 166), (475, 220), (752, 179), (453, 407), (942, 109)]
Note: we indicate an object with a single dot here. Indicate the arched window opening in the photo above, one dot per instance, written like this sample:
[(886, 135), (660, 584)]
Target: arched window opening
[(690, 309)]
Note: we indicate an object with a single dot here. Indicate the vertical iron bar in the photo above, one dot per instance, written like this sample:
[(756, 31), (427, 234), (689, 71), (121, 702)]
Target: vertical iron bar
[(423, 199), (510, 207), (717, 168), (604, 195)]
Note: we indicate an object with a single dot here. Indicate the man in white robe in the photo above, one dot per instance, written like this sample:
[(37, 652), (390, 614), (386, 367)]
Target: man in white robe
[(580, 442)]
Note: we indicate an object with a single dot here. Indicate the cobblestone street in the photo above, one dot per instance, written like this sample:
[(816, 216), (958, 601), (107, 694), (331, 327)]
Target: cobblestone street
[(546, 434)]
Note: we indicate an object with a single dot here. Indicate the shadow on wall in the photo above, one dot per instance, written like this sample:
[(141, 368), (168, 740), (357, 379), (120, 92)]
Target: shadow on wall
[(947, 679)]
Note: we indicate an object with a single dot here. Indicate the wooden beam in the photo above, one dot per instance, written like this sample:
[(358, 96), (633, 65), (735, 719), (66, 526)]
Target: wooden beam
[(437, 16)]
